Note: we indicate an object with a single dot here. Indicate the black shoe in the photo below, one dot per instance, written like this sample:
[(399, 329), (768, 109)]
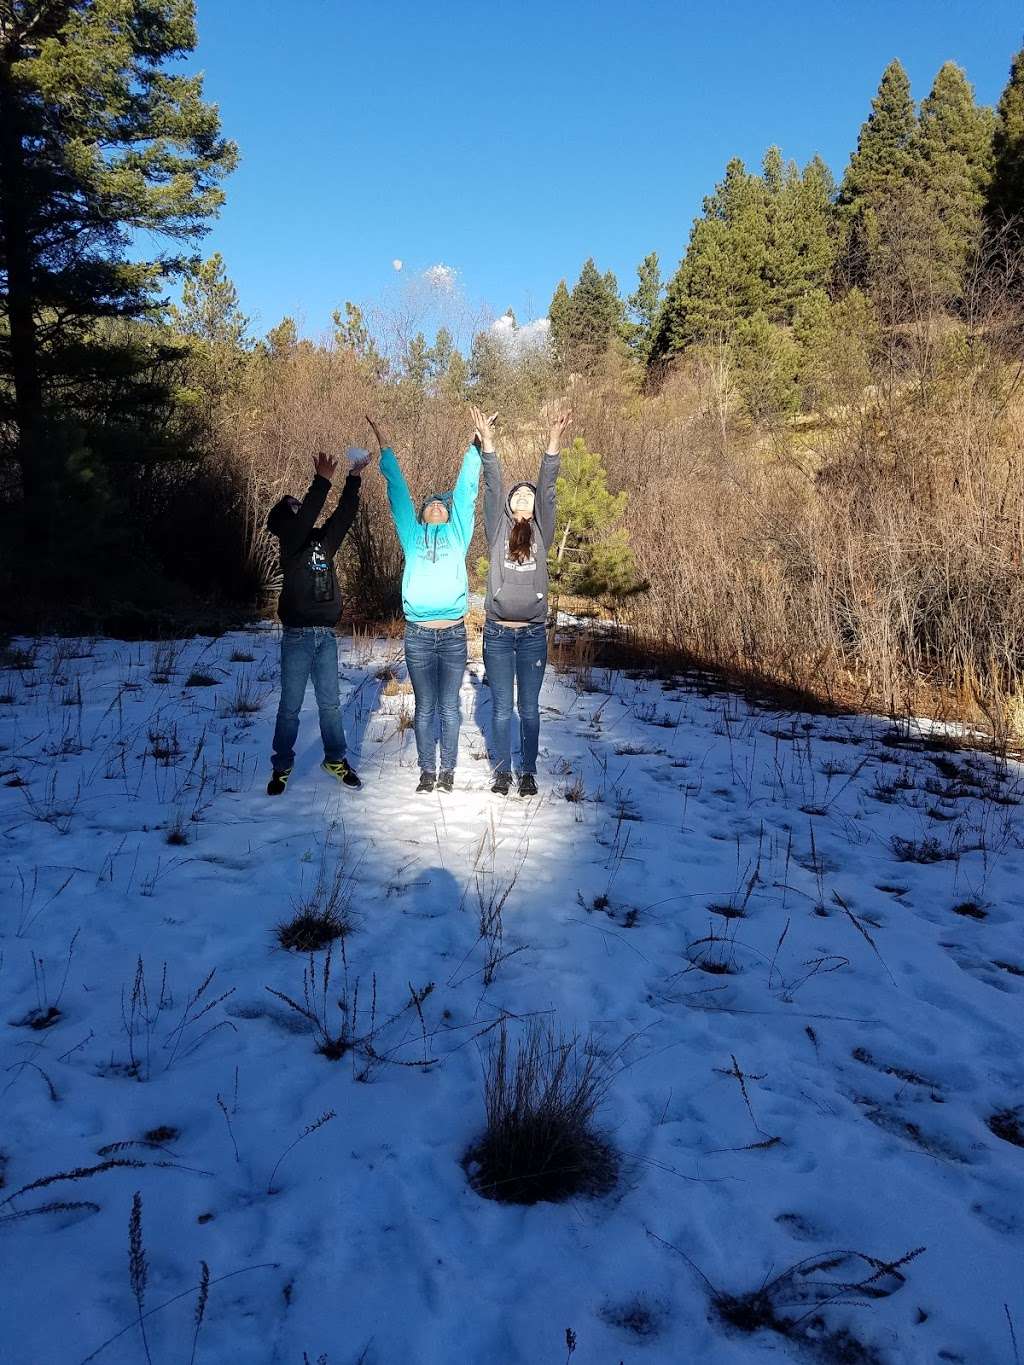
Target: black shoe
[(278, 782), (445, 780), (527, 785), (427, 781), (502, 784), (341, 772)]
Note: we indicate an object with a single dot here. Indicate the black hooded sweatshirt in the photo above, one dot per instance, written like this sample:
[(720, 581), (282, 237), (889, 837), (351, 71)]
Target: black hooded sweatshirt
[(309, 593)]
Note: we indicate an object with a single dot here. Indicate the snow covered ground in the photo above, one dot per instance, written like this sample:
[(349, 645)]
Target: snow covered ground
[(797, 942)]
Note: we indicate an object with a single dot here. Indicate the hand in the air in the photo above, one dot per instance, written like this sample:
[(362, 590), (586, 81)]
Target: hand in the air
[(325, 465), (384, 445), (559, 416), (483, 434)]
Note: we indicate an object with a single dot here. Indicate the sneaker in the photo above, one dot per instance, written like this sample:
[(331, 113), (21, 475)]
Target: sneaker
[(278, 782), (445, 780), (527, 785), (502, 784), (341, 772), (427, 781)]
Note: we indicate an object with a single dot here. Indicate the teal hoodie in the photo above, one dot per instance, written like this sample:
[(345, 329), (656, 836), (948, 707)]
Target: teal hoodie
[(434, 583)]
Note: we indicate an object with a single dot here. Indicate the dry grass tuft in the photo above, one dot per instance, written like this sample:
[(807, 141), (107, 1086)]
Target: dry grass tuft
[(540, 1142)]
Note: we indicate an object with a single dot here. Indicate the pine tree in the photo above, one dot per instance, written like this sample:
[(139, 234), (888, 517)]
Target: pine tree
[(209, 308), (885, 164), (440, 355), (210, 319), (558, 315), (282, 340), (1006, 192), (723, 276), (99, 143), (416, 361), (887, 144), (586, 322), (352, 334), (801, 240), (643, 305), (956, 166), (590, 554)]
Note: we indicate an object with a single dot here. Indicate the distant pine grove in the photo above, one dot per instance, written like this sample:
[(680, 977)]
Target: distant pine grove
[(778, 258), (799, 459)]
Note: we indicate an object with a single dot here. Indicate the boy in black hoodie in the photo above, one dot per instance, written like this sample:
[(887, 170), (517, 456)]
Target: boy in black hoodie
[(309, 608)]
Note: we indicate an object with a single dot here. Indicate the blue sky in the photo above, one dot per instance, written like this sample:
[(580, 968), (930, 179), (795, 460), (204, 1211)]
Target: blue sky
[(510, 141)]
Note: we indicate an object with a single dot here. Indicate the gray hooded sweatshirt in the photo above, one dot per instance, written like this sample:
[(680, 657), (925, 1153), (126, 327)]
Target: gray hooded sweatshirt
[(518, 592)]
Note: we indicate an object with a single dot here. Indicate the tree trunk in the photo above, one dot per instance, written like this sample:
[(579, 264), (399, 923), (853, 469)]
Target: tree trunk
[(25, 376)]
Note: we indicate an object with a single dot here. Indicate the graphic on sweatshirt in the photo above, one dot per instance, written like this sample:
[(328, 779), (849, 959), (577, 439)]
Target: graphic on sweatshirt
[(320, 573)]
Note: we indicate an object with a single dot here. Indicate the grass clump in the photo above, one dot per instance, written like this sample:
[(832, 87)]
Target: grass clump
[(1008, 1124), (540, 1142), (324, 914)]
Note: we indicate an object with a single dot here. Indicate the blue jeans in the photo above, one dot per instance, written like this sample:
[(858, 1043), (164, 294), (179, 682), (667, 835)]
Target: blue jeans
[(436, 660), (308, 650), (515, 658)]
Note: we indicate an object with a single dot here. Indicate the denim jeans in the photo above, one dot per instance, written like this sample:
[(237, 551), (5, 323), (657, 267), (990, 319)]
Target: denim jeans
[(308, 650), (515, 658), (436, 660)]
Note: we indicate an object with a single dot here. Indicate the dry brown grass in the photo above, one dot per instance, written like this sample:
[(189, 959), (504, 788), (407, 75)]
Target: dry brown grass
[(867, 553)]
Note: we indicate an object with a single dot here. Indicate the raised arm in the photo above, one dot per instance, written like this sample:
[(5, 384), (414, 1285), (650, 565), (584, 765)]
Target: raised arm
[(548, 476), (467, 485), (295, 532), (399, 498), (338, 524), (494, 479)]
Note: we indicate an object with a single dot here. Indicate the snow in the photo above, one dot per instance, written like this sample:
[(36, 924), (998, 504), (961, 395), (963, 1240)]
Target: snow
[(877, 1030)]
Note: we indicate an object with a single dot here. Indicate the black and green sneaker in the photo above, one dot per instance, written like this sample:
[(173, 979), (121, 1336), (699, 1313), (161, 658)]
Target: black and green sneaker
[(502, 784), (278, 781), (341, 772), (527, 785), (445, 780), (427, 781)]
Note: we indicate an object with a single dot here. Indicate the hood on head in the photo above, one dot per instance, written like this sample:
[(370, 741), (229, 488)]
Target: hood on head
[(280, 515), (523, 483), (445, 498)]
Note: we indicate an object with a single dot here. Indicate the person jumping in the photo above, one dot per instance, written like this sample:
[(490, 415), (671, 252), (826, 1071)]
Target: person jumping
[(309, 608)]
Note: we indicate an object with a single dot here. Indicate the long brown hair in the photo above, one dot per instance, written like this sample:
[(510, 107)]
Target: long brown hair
[(520, 541)]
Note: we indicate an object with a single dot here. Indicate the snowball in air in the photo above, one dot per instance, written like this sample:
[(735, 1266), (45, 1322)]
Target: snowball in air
[(397, 264)]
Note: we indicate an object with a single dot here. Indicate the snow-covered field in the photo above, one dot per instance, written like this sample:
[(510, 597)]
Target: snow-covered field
[(796, 941)]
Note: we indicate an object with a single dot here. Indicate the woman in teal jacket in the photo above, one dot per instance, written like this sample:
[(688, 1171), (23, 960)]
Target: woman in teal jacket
[(435, 595)]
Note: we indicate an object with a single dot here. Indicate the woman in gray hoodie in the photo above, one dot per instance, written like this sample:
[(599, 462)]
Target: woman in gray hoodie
[(520, 528)]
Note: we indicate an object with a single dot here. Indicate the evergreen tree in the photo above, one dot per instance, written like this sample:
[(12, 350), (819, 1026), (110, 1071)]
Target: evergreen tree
[(1006, 193), (886, 162), (766, 364), (887, 144), (213, 324), (643, 305), (209, 308), (723, 276), (98, 140), (350, 330), (590, 555), (282, 340), (801, 239), (558, 316), (416, 361), (440, 356), (585, 322), (956, 165), (351, 333)]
